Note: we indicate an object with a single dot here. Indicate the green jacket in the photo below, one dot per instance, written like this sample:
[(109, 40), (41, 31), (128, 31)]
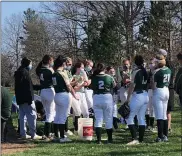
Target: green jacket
[(178, 82), (6, 104)]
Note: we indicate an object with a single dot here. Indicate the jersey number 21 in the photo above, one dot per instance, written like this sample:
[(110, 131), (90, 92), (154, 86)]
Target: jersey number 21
[(166, 78)]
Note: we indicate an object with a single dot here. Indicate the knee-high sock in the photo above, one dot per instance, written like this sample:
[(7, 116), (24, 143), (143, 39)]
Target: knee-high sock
[(132, 129), (52, 127), (76, 123), (109, 134), (160, 128), (56, 129), (115, 123), (147, 120), (165, 128), (47, 129), (61, 130), (152, 122), (66, 125), (98, 133), (136, 121), (141, 132)]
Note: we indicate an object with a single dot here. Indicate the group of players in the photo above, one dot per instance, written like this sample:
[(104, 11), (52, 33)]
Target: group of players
[(89, 91)]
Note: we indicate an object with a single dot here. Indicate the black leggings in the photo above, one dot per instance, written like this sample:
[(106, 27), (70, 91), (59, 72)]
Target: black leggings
[(3, 129)]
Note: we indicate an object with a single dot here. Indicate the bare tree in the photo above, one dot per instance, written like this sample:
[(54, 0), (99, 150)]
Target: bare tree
[(11, 38)]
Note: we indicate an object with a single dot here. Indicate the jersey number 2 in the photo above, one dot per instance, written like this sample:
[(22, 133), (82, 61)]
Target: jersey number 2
[(101, 84), (166, 78)]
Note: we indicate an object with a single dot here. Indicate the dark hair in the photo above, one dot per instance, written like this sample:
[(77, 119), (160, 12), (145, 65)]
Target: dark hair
[(109, 68), (59, 62), (25, 62), (179, 56), (139, 61), (45, 60), (87, 62), (99, 68), (77, 65)]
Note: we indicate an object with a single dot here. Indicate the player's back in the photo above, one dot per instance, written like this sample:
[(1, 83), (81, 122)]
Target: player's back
[(102, 84), (162, 77)]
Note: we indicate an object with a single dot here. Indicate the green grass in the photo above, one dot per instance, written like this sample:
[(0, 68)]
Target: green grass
[(118, 148)]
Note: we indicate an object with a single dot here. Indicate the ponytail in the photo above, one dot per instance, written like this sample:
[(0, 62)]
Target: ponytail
[(144, 72), (37, 70)]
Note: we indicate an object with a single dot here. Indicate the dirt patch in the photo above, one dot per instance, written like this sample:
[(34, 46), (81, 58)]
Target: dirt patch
[(13, 143), (11, 148)]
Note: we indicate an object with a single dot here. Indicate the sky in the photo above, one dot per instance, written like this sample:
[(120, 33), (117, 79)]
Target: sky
[(9, 8)]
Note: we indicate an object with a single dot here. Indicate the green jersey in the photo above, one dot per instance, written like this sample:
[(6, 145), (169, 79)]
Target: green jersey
[(45, 76), (140, 80), (162, 77), (60, 81), (102, 84)]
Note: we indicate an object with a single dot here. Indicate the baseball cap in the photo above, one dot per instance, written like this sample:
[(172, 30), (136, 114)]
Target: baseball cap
[(163, 52)]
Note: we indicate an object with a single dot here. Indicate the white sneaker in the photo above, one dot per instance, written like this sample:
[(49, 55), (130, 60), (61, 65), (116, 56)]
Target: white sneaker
[(134, 142), (165, 139), (63, 140), (26, 137), (154, 130), (69, 133), (126, 127), (37, 137)]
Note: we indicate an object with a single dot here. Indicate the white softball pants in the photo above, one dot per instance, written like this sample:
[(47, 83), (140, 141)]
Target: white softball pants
[(47, 98), (103, 109), (138, 106), (83, 105), (115, 109), (150, 107), (160, 101), (62, 101), (76, 106), (123, 94), (89, 97)]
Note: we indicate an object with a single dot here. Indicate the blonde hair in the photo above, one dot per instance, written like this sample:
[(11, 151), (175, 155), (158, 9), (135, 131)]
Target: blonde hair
[(160, 59)]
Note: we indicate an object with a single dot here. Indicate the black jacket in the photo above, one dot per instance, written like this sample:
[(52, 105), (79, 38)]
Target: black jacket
[(6, 103), (23, 87), (171, 66)]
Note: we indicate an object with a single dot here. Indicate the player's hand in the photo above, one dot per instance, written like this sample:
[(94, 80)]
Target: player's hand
[(81, 78), (76, 97), (84, 83)]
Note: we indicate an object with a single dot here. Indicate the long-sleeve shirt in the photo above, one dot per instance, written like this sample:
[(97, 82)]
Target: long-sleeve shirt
[(5, 103), (23, 86), (178, 82)]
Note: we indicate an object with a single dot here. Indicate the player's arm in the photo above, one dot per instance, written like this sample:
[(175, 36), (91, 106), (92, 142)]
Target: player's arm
[(78, 87), (154, 81), (69, 87), (131, 86)]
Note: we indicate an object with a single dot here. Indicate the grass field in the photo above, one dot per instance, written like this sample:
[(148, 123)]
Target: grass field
[(118, 148)]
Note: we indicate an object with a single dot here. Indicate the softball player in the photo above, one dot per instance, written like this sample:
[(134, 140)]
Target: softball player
[(161, 82), (83, 81), (88, 91), (73, 102), (111, 72), (139, 100), (62, 98), (126, 76), (44, 71), (103, 101), (150, 110)]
